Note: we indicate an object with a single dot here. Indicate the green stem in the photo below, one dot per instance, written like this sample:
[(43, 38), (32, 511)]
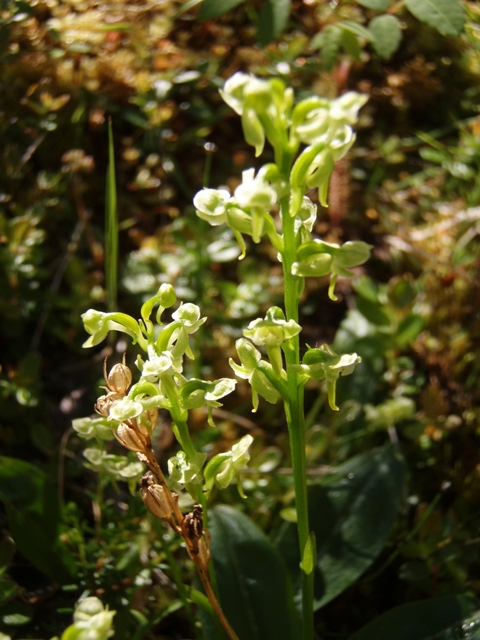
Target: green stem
[(180, 430), (294, 409)]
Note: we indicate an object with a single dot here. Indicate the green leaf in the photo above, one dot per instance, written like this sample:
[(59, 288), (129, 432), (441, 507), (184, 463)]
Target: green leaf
[(443, 618), (33, 513), (376, 5), (374, 312), (387, 35), (354, 27), (446, 16), (309, 556), (408, 329), (272, 20), (215, 8), (253, 582), (7, 551), (351, 513), (8, 590), (350, 44), (329, 41), (16, 614)]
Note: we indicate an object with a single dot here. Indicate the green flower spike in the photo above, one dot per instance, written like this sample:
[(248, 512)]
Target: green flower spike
[(272, 332), (250, 369), (226, 467)]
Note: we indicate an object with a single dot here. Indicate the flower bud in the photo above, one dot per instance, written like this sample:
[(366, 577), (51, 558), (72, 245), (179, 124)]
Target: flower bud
[(95, 323), (166, 296)]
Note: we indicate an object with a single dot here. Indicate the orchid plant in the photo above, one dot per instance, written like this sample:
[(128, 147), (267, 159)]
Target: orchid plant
[(307, 138)]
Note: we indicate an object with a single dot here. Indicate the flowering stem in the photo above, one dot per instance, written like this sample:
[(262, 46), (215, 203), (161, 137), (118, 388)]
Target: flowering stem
[(180, 430), (294, 409)]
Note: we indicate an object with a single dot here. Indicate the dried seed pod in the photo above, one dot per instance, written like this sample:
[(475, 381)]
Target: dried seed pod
[(129, 438), (193, 523), (154, 497), (147, 421), (119, 379), (105, 403)]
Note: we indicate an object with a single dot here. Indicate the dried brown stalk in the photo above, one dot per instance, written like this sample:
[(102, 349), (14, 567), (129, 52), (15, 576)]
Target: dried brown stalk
[(155, 493)]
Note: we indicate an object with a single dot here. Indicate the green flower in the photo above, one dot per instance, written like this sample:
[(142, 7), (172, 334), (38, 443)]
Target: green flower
[(89, 428), (91, 621), (98, 324), (325, 364), (249, 369), (188, 315), (199, 393), (318, 120), (211, 205), (157, 367), (272, 332), (250, 97), (318, 258), (184, 472), (125, 409), (226, 467)]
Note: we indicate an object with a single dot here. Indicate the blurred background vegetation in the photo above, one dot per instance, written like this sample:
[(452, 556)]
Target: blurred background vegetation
[(410, 187)]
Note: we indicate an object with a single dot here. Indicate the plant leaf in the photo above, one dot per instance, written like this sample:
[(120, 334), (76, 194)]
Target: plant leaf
[(272, 20), (355, 28), (329, 41), (215, 8), (350, 44), (376, 5), (351, 514), (387, 35), (442, 618), (33, 512), (446, 16), (253, 582)]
